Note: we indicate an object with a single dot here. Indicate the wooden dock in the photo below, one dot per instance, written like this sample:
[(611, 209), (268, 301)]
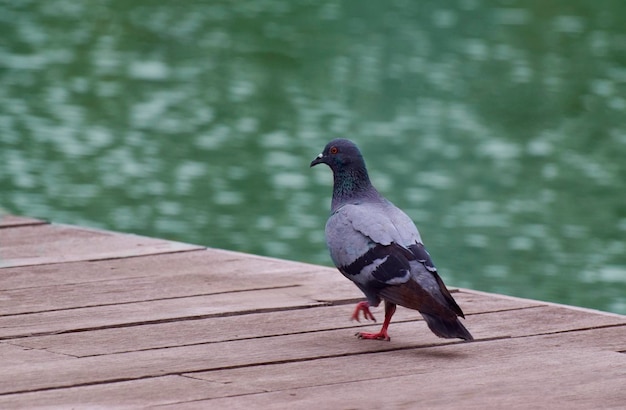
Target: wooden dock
[(97, 319)]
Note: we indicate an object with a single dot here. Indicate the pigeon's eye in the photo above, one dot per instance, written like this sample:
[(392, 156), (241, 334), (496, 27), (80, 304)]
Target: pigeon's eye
[(333, 150)]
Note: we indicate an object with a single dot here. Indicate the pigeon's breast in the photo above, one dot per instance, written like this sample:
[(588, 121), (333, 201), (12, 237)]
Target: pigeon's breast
[(344, 242)]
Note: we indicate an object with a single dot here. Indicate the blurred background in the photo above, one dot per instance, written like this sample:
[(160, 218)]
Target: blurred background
[(499, 126)]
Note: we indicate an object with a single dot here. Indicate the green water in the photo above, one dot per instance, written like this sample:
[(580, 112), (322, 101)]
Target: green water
[(499, 126)]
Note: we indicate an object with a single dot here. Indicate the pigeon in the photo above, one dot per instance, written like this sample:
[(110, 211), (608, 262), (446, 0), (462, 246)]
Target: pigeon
[(377, 246)]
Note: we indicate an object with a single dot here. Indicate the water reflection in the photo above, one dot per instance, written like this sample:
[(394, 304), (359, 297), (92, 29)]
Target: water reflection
[(498, 126)]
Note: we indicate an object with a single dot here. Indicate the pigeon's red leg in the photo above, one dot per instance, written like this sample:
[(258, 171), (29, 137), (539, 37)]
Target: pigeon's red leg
[(365, 308), (390, 309)]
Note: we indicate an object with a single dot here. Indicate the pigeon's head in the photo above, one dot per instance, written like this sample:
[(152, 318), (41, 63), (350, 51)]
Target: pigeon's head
[(339, 154)]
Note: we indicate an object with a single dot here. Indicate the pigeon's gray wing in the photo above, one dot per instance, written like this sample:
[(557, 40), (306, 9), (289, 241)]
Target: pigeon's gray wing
[(356, 229), (365, 247), (399, 229), (383, 222)]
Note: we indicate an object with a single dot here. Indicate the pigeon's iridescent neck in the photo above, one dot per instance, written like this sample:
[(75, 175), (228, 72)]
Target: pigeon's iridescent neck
[(351, 185)]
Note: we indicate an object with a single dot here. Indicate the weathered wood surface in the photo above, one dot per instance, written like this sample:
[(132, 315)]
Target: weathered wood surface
[(47, 244), (7, 221), (100, 319)]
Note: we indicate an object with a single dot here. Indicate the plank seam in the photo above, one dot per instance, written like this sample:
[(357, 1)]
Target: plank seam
[(39, 349), (581, 329), (103, 258), (168, 320), (148, 300), (22, 225)]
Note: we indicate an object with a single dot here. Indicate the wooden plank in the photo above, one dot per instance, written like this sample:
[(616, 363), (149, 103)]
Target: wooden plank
[(546, 303), (106, 293), (126, 394), (474, 303), (84, 284), (171, 276), (45, 244), (11, 221), (12, 355), (286, 348), (198, 262), (611, 338), (151, 311), (442, 377), (189, 332)]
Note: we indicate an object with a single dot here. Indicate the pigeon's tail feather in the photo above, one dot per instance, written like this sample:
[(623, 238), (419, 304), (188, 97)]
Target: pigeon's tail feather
[(441, 318), (448, 328)]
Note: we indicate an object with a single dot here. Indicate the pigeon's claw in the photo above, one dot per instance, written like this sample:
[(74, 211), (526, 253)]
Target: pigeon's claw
[(365, 308), (382, 335)]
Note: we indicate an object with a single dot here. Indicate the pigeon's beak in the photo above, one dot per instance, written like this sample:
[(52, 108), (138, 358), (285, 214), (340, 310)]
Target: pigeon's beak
[(318, 160)]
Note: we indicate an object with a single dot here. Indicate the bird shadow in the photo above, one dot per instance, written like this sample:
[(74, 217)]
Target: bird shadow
[(444, 351)]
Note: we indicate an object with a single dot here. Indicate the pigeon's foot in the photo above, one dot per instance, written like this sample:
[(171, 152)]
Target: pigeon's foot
[(390, 309), (382, 335), (365, 308)]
